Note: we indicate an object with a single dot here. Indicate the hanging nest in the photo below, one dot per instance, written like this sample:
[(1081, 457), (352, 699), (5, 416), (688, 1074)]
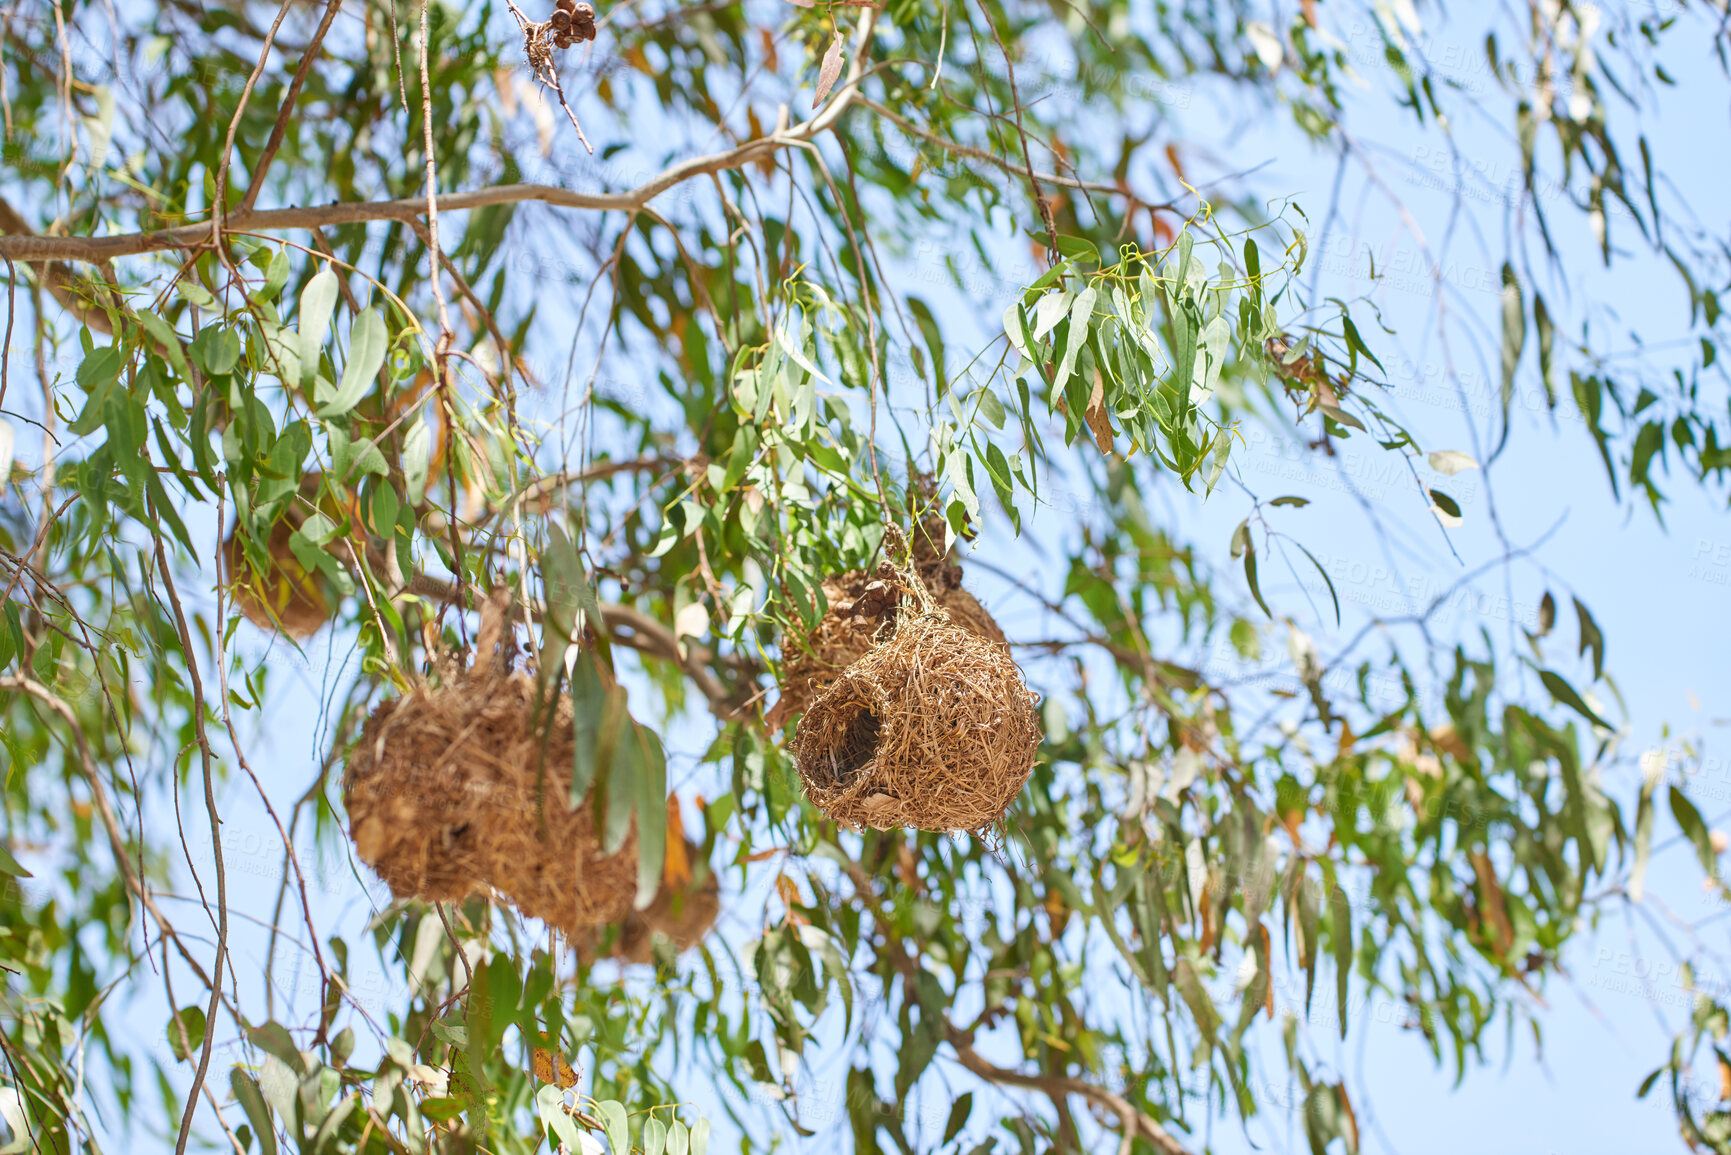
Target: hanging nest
[(860, 606), (682, 913), (934, 728), (284, 596), (462, 788)]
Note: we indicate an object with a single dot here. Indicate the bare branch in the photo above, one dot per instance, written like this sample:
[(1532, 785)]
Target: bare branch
[(96, 249)]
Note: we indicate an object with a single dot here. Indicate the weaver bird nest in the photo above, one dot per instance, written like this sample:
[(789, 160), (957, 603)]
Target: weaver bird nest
[(465, 787), (933, 728), (863, 605), (682, 913), (282, 595)]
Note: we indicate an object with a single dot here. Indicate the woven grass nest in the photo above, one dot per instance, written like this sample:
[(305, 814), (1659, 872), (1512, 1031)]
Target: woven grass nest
[(860, 605), (284, 597), (682, 913), (932, 728), (458, 789)]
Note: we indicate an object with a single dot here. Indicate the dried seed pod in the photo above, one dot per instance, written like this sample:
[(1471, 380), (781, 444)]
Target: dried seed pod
[(565, 5), (562, 40), (583, 22), (561, 20)]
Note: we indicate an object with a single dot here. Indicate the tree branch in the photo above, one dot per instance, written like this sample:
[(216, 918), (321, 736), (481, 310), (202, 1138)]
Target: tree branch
[(24, 247), (1055, 1087)]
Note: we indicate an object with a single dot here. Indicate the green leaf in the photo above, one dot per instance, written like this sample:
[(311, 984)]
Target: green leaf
[(186, 1033), (1015, 328), (1547, 336), (959, 1115), (1445, 503), (1195, 996), (1081, 318), (568, 591), (1565, 694), (1591, 638), (678, 1139), (654, 1136), (1356, 344), (1689, 819), (1295, 502), (1342, 417), (700, 1137), (318, 302), (550, 1104), (166, 339), (739, 460), (247, 1094), (417, 456), (1250, 576), (8, 864), (1514, 339), (648, 767), (368, 340), (276, 275), (217, 350), (385, 504), (1241, 543), (617, 1124), (1326, 579), (1650, 440), (1644, 811), (352, 459), (1342, 941), (991, 408), (274, 1039), (100, 367), (598, 714)]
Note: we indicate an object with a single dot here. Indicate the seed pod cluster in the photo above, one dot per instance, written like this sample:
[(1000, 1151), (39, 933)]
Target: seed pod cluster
[(572, 23)]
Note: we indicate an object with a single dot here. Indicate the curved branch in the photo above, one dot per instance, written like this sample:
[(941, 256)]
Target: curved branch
[(1055, 1087), (1059, 1086), (22, 246)]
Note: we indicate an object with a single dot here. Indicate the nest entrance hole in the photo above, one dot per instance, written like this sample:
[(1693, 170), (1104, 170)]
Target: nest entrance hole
[(856, 745)]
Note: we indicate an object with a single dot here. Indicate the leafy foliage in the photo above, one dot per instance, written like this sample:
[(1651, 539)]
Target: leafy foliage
[(661, 406)]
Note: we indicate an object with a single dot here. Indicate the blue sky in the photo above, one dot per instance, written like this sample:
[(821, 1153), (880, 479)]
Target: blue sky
[(1660, 594)]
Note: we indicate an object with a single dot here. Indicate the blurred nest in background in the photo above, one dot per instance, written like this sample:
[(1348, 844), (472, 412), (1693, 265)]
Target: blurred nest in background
[(282, 595), (861, 606), (455, 789), (933, 728), (684, 910)]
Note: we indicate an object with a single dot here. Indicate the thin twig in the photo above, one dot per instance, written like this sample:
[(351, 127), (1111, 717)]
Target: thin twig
[(240, 756), (218, 206), (26, 247), (208, 760), (280, 129), (1027, 153)]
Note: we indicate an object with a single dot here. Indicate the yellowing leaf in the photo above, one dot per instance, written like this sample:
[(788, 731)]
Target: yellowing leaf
[(550, 1068), (677, 869)]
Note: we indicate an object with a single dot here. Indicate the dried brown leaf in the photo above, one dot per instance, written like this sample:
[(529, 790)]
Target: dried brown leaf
[(1493, 894), (1096, 417), (830, 71), (550, 1068)]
